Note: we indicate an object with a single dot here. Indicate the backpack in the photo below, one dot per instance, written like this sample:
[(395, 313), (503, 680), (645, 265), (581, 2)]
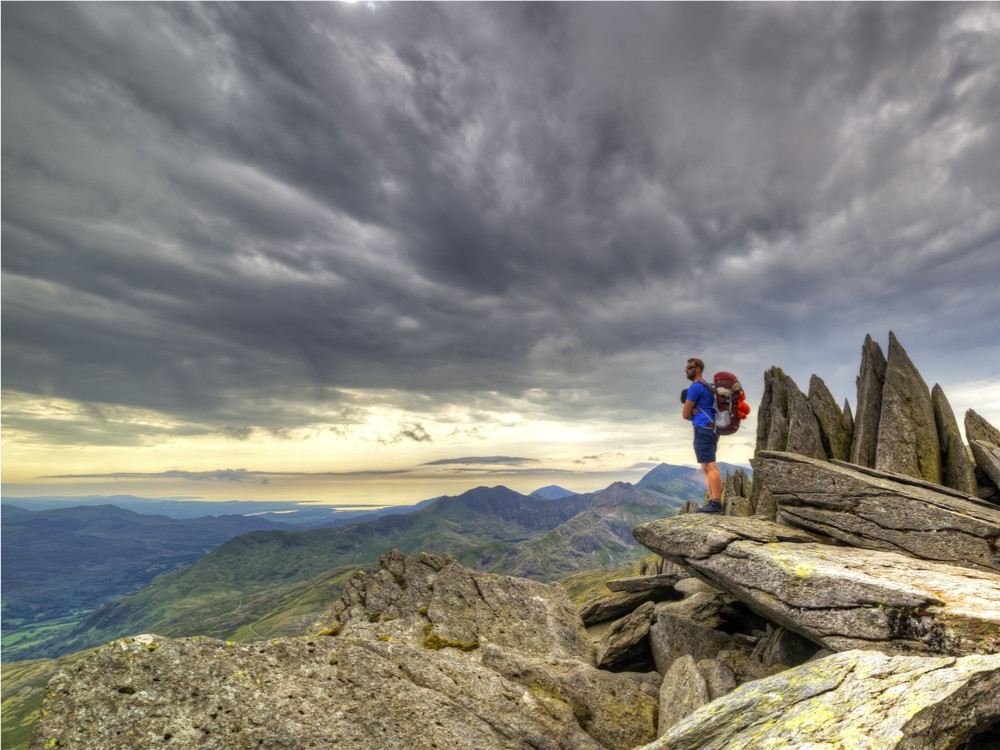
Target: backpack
[(730, 402)]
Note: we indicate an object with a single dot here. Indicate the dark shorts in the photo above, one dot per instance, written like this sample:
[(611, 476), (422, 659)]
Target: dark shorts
[(705, 442)]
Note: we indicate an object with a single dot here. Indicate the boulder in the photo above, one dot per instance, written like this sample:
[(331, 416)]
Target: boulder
[(957, 470), (684, 691), (619, 644), (719, 678), (672, 636), (436, 602), (876, 510), (856, 699), (987, 457), (866, 421), (645, 583), (786, 421), (835, 432), (839, 597), (907, 436), (736, 491), (612, 607), (977, 428)]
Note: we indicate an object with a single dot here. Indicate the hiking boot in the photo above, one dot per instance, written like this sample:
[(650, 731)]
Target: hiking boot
[(712, 506)]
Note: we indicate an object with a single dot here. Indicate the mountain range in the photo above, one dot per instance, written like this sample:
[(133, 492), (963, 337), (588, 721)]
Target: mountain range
[(79, 576), (67, 571)]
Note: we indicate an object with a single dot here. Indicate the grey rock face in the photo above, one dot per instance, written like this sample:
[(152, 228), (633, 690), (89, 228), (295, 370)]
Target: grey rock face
[(684, 691), (645, 583), (835, 432), (624, 636), (977, 428), (468, 659), (673, 636), (786, 421), (435, 602), (329, 693), (853, 699), (907, 435), (875, 510), (840, 598), (866, 421), (957, 471), (613, 607), (987, 457)]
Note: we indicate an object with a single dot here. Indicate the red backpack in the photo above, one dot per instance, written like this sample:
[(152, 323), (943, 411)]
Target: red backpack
[(730, 402)]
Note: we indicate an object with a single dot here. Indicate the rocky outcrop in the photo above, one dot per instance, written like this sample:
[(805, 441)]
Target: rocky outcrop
[(901, 426), (855, 699), (430, 601), (984, 442), (957, 470), (866, 421), (470, 660), (839, 598), (786, 421), (834, 428), (907, 436), (977, 428), (876, 510)]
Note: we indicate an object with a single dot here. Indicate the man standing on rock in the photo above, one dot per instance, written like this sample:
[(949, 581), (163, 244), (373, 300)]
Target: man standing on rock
[(699, 408)]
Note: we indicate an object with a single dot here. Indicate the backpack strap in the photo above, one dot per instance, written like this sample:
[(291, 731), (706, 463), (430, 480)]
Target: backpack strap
[(715, 405)]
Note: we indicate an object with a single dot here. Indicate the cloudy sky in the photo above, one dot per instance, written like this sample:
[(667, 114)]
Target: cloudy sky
[(373, 253)]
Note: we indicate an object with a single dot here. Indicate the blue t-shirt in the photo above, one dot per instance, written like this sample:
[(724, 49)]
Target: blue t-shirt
[(704, 403)]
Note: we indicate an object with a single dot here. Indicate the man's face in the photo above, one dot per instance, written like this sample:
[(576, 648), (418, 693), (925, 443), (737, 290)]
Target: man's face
[(692, 372)]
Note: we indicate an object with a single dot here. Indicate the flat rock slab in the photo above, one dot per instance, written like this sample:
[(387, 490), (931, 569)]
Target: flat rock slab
[(878, 510), (645, 583), (841, 598), (850, 701)]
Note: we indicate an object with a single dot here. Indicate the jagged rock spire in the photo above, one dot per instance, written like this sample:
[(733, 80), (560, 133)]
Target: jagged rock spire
[(957, 470), (786, 421), (907, 436), (866, 420), (835, 431)]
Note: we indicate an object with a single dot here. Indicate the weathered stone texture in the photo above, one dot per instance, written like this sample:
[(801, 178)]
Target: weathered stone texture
[(875, 510), (977, 428), (835, 432), (987, 457), (437, 600), (957, 470), (786, 421), (840, 598), (684, 691), (907, 435), (866, 421), (856, 699)]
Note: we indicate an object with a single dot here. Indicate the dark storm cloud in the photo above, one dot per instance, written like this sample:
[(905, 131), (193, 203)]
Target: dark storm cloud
[(228, 212)]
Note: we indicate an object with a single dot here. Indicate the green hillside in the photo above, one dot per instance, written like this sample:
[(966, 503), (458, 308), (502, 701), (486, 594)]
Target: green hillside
[(59, 565), (276, 583), (225, 591)]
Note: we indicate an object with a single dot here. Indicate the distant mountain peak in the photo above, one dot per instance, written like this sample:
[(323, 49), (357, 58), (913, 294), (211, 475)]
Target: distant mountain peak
[(552, 492)]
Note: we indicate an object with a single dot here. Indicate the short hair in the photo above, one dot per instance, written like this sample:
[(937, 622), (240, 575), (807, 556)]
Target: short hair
[(697, 363)]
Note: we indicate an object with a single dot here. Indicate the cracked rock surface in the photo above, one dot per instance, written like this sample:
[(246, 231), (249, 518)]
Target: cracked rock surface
[(877, 510), (840, 598), (855, 699)]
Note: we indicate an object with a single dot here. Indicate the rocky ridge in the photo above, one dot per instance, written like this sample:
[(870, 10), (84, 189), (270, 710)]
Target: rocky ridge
[(849, 597)]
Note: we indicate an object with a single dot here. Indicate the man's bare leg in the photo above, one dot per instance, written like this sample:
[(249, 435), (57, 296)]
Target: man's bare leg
[(713, 480)]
